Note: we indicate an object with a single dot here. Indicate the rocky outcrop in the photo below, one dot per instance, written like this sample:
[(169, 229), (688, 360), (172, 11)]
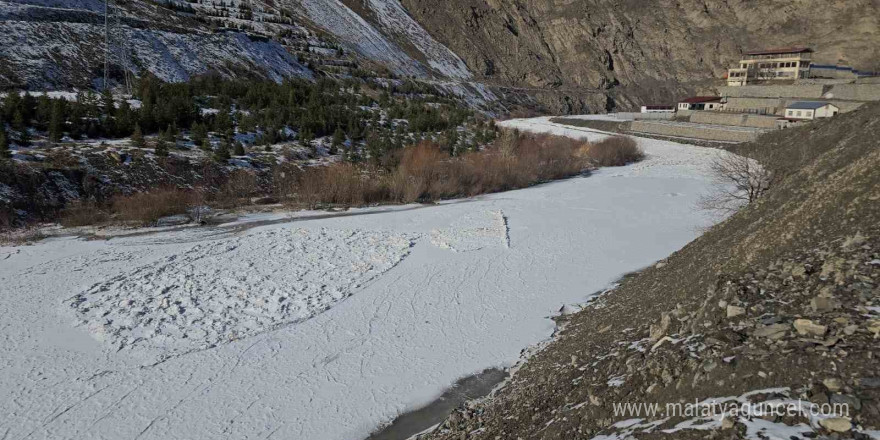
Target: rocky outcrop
[(635, 52), (554, 56)]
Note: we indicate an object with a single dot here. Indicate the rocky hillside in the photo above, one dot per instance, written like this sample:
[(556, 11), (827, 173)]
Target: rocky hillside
[(556, 56), (780, 304), (589, 54)]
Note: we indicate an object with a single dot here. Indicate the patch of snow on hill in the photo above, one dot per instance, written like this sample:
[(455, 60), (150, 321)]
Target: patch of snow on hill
[(359, 35), (395, 19), (46, 54)]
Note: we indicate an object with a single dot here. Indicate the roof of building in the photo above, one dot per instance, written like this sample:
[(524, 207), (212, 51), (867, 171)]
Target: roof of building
[(658, 107), (701, 99), (807, 105), (797, 49)]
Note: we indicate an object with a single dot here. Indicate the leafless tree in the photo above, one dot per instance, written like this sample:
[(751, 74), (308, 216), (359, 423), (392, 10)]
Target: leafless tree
[(739, 181)]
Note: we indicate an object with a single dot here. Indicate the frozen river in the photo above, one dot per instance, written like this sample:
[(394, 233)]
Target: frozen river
[(323, 328)]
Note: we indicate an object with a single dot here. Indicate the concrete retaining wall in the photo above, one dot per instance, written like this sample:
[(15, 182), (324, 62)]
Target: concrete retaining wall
[(772, 106), (797, 91), (633, 116), (694, 131), (855, 92), (735, 119), (777, 106)]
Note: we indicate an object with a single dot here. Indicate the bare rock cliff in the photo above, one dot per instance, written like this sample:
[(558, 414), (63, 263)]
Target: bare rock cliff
[(588, 54)]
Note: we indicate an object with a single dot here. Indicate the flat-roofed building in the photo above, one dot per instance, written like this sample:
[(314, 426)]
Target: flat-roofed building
[(810, 110), (701, 103), (787, 63), (657, 109)]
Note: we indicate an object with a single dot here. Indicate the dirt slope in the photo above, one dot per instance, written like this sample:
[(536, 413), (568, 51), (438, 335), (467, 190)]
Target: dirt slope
[(782, 297)]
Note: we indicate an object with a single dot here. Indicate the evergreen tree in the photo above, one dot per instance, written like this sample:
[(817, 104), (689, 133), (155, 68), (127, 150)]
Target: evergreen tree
[(161, 148), (338, 141), (5, 152), (198, 133), (451, 140), (239, 149), (24, 136), (205, 145), (55, 123), (137, 138), (169, 136), (306, 137), (222, 121), (221, 154), (107, 102)]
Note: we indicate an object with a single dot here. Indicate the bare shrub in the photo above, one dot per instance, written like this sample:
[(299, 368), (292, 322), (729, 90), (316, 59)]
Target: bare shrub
[(83, 213), (420, 169), (7, 218), (148, 207), (427, 172), (339, 184), (739, 181), (238, 188), (615, 151)]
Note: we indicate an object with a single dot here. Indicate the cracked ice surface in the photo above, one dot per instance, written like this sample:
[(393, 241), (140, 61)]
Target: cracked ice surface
[(220, 291), (473, 232), (408, 318)]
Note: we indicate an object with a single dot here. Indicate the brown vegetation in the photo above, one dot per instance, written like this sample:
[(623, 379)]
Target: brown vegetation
[(149, 207), (426, 172), (615, 151), (422, 173)]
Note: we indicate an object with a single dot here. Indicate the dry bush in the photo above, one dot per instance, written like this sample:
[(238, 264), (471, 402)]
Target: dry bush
[(238, 188), (148, 207), (83, 213), (426, 172), (615, 151), (7, 218), (421, 167), (339, 184), (738, 182)]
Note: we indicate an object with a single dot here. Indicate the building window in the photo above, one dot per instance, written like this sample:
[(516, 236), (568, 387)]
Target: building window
[(799, 113), (791, 112)]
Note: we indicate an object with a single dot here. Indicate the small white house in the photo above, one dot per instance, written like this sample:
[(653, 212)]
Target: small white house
[(809, 110), (701, 103), (658, 109)]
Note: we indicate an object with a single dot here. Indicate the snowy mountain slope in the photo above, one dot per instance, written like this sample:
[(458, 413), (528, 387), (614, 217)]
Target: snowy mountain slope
[(59, 43), (395, 20), (354, 31), (45, 47)]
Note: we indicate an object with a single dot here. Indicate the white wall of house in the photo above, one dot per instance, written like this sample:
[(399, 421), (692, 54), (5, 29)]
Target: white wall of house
[(645, 109), (825, 111), (799, 114)]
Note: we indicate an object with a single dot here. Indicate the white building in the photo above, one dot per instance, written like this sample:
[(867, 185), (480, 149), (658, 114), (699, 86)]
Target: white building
[(657, 109), (809, 110), (701, 103), (771, 64)]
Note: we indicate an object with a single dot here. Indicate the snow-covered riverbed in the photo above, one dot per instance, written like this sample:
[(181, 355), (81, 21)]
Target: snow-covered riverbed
[(325, 328)]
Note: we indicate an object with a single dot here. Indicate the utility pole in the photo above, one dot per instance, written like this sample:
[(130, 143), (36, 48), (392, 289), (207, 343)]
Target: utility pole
[(106, 44)]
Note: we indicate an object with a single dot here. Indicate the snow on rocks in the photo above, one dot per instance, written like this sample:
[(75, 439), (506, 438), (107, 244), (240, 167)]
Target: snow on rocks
[(225, 290)]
